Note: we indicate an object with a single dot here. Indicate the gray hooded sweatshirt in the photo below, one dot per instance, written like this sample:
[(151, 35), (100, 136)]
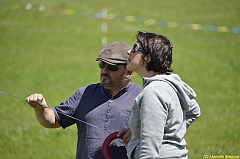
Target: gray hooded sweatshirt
[(160, 116)]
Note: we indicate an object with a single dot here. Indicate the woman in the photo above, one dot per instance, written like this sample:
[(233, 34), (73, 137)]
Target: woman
[(166, 106)]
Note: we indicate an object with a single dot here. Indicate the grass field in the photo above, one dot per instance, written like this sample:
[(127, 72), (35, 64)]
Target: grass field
[(53, 52)]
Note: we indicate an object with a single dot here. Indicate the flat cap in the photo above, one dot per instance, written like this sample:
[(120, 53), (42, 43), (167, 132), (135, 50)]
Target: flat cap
[(114, 53)]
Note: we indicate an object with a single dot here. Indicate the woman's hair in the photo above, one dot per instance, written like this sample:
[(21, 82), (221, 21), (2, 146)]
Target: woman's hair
[(159, 48)]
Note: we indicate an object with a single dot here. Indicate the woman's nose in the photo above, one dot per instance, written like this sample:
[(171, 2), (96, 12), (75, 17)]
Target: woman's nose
[(129, 52)]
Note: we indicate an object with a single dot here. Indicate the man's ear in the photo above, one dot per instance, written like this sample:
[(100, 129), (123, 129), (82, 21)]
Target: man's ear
[(129, 74)]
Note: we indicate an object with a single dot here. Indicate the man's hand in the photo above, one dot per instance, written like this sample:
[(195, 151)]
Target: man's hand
[(37, 101), (126, 133)]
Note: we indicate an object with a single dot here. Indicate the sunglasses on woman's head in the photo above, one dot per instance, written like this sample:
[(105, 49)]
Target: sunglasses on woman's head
[(135, 48), (102, 64)]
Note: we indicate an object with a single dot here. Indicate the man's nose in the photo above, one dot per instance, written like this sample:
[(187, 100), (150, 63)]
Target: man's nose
[(105, 69)]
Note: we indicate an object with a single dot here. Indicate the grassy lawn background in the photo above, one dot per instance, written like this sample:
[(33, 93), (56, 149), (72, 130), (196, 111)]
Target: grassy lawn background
[(54, 53)]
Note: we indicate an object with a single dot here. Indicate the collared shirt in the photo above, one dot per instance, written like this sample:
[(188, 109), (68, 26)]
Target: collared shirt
[(95, 105)]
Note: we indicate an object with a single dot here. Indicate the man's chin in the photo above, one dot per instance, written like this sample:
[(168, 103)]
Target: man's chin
[(106, 85)]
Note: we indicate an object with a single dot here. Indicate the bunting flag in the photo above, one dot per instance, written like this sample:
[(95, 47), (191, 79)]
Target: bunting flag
[(148, 22)]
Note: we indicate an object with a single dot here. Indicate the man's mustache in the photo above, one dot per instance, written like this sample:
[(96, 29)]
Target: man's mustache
[(106, 75)]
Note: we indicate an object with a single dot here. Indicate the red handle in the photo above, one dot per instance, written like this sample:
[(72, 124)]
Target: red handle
[(106, 143)]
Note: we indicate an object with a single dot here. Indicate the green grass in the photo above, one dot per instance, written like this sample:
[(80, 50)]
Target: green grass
[(54, 54)]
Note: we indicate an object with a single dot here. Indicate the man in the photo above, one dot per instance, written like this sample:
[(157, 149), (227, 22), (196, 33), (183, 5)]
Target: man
[(105, 106)]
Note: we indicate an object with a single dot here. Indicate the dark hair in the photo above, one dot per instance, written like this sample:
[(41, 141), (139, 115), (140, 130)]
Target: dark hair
[(160, 50)]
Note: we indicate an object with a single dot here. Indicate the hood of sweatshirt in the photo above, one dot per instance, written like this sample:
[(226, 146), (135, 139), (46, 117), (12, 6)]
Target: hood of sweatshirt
[(184, 91)]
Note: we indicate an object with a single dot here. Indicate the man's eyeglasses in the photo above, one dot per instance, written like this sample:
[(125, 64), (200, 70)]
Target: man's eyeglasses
[(135, 48), (102, 64)]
